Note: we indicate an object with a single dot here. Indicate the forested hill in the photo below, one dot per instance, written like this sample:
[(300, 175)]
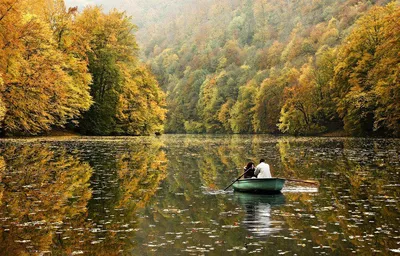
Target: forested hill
[(268, 66)]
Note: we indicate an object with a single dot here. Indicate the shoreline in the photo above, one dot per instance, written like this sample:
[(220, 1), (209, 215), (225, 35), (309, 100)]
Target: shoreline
[(70, 133)]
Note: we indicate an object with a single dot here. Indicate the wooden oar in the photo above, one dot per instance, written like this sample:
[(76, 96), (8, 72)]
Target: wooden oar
[(314, 182), (237, 179)]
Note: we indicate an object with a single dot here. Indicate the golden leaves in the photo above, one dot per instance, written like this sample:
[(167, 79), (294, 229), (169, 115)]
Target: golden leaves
[(43, 86)]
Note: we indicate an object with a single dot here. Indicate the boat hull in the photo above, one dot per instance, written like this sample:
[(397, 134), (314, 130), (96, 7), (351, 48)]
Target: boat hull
[(268, 185)]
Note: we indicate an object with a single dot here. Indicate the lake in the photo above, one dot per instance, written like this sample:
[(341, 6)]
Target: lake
[(164, 196)]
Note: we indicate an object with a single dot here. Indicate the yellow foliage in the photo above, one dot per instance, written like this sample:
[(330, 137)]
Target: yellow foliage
[(367, 74), (44, 84), (43, 188)]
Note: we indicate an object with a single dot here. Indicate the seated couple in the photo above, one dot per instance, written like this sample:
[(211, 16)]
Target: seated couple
[(261, 171)]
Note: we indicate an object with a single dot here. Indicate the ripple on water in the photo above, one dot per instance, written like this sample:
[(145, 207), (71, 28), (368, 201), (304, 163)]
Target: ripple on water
[(149, 195), (299, 189)]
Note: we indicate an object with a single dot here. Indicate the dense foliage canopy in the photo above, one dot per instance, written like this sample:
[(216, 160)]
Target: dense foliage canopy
[(56, 64), (262, 66), (226, 66)]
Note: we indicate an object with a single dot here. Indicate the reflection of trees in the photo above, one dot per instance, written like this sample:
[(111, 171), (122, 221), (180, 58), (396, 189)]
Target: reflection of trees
[(2, 171), (296, 159), (140, 172), (187, 212), (51, 201), (183, 208), (356, 209), (124, 182), (219, 159), (223, 159), (41, 191)]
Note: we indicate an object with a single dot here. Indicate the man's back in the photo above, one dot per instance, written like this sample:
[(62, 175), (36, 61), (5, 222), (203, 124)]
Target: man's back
[(263, 171)]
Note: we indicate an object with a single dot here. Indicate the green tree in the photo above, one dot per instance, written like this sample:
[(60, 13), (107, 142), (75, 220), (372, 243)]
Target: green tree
[(308, 105), (127, 99), (242, 112), (140, 106), (219, 38), (268, 103), (208, 105), (298, 114)]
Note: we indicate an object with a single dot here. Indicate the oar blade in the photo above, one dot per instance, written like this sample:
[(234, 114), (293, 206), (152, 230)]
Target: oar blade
[(313, 182)]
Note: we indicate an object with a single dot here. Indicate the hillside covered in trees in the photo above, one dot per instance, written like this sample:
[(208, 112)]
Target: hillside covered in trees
[(64, 68), (225, 66), (282, 66)]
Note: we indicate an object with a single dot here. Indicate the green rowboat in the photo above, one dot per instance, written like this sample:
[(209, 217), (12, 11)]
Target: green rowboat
[(267, 185)]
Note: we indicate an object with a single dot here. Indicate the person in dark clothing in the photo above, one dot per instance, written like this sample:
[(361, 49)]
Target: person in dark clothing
[(249, 169)]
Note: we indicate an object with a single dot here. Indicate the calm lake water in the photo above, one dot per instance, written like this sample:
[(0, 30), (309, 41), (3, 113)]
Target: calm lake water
[(164, 196)]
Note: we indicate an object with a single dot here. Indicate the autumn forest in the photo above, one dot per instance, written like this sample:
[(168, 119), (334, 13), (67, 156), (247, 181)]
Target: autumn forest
[(216, 66), (78, 70)]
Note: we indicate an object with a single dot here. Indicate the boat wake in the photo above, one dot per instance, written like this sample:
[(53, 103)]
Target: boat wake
[(210, 191), (299, 189)]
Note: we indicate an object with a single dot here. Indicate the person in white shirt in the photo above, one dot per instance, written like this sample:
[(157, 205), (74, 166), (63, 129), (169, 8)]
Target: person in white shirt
[(262, 170)]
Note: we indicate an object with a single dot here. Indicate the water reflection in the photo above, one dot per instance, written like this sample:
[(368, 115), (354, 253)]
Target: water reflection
[(41, 191), (258, 208), (126, 178), (52, 201), (357, 207), (162, 196)]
